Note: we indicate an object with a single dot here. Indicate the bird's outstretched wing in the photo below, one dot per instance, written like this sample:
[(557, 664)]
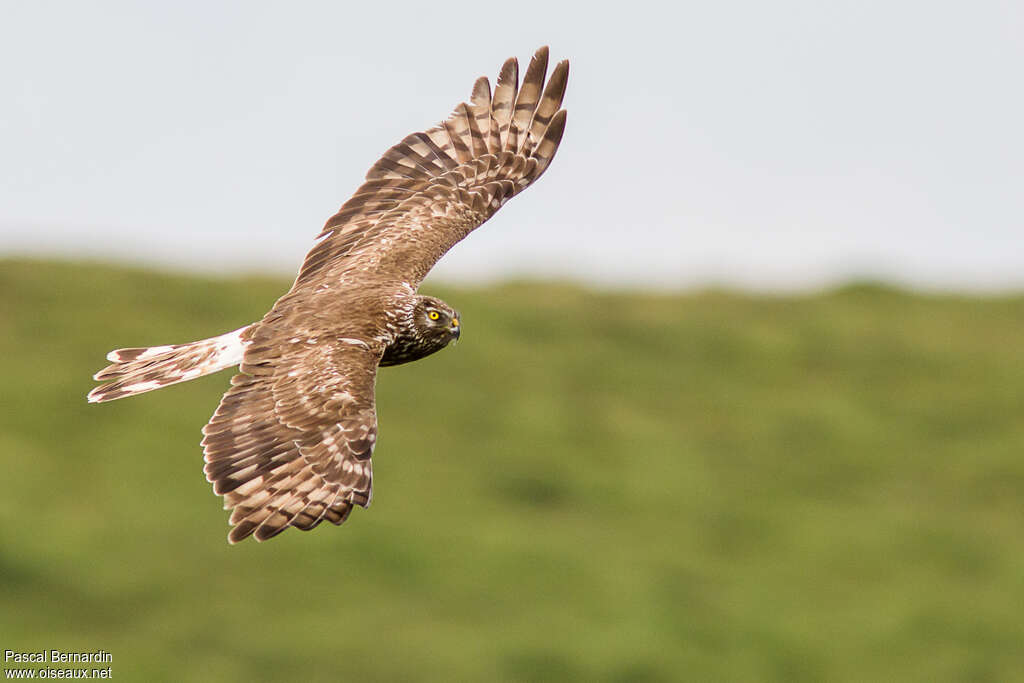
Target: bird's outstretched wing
[(290, 443), (434, 187)]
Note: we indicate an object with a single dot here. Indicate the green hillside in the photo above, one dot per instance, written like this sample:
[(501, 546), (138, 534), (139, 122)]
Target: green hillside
[(589, 486)]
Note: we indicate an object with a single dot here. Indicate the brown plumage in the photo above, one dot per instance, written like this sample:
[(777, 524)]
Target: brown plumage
[(291, 441)]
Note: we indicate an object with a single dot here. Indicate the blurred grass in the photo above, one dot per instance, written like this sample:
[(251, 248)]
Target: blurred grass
[(590, 486)]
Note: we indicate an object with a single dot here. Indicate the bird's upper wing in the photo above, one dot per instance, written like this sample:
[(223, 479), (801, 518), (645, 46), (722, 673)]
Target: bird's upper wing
[(290, 443), (434, 187)]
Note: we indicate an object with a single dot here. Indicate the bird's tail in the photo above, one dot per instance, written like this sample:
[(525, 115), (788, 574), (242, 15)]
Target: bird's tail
[(135, 371)]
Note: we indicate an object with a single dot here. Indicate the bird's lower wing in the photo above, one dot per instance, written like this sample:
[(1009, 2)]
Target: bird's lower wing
[(290, 442)]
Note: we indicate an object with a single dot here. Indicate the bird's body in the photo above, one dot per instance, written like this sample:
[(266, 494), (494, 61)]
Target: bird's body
[(291, 441)]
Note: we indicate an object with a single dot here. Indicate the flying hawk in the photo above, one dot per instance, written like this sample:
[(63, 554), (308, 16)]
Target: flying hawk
[(290, 442)]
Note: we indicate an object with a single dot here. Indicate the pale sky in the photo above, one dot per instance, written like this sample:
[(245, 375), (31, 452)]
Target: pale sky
[(766, 145)]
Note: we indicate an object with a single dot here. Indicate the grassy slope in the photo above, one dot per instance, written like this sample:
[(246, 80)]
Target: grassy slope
[(590, 486)]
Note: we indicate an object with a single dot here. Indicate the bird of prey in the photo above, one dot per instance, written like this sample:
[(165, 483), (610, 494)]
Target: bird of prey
[(290, 442)]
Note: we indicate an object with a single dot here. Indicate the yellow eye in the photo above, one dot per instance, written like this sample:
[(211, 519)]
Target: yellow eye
[(433, 315)]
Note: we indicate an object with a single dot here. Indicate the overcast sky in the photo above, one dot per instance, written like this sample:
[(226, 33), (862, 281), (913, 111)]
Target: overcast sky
[(769, 145)]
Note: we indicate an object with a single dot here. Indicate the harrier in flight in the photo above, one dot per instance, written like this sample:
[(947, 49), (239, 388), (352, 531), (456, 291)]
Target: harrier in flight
[(291, 441)]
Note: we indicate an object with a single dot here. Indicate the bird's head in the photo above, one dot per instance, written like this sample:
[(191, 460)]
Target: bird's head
[(433, 326), (437, 321)]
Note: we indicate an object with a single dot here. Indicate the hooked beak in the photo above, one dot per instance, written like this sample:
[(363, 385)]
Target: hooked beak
[(455, 328)]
